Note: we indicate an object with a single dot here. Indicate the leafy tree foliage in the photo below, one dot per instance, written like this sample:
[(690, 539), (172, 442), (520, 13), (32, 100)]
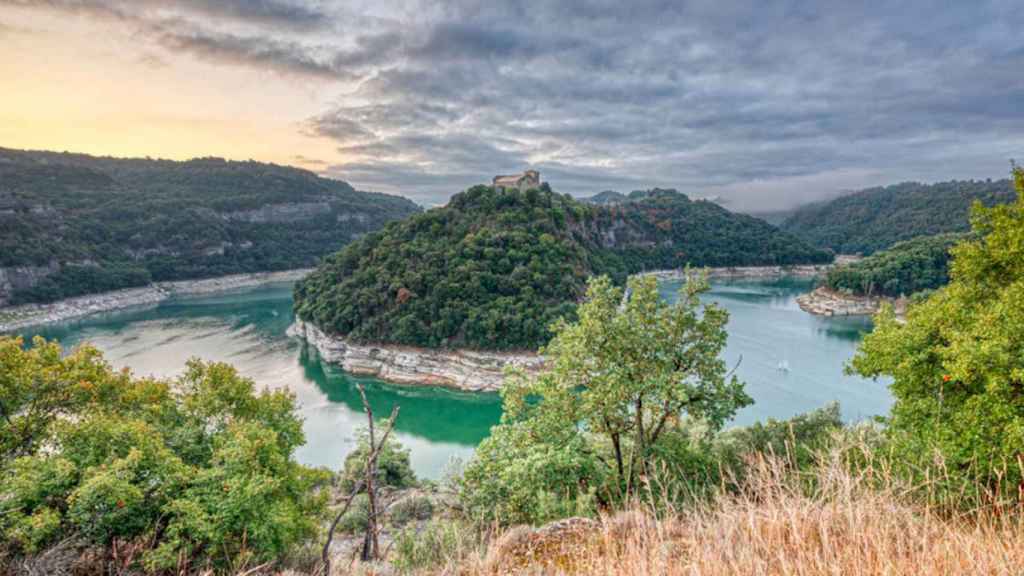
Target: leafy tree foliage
[(108, 223), (494, 268), (876, 218), (196, 470), (799, 439), (616, 385), (957, 362), (393, 465), (906, 268)]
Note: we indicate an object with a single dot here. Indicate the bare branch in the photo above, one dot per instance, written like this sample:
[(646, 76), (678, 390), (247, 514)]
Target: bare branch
[(371, 465)]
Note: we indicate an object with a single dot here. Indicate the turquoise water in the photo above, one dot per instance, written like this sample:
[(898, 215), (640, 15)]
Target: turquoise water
[(247, 329)]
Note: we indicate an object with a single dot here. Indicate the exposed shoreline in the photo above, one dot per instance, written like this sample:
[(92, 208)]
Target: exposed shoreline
[(14, 318), (751, 272), (473, 370), (469, 370), (825, 302)]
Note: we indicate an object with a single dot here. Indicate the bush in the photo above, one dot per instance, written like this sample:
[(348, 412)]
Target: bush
[(439, 543), (196, 470), (796, 440), (358, 516), (394, 469), (414, 507), (513, 481)]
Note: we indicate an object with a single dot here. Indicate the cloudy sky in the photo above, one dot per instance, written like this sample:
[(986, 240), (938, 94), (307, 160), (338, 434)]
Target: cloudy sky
[(767, 104)]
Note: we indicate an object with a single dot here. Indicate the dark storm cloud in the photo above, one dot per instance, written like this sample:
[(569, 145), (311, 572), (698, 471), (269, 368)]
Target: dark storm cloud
[(765, 103)]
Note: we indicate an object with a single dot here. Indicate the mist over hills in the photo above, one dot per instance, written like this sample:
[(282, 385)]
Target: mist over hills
[(876, 218)]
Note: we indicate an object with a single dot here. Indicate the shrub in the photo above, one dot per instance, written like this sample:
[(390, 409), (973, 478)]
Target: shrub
[(512, 480), (414, 507), (197, 470), (394, 469), (358, 516), (440, 543)]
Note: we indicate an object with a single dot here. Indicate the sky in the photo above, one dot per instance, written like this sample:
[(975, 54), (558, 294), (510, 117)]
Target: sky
[(765, 104)]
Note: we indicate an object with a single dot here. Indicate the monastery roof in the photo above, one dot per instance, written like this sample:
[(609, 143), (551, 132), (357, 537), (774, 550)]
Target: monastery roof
[(509, 179)]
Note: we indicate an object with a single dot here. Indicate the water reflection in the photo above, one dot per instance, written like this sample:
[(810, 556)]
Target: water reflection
[(247, 329), (440, 414)]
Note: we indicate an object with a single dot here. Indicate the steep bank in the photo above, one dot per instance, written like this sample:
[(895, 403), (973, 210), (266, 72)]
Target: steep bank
[(470, 370), (826, 302), (14, 318)]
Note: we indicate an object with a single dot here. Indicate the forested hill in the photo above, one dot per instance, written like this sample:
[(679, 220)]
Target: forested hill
[(877, 218), (493, 269), (903, 269), (72, 224)]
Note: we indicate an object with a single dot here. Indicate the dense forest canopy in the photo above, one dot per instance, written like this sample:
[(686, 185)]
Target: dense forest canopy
[(494, 268), (906, 268), (876, 218), (91, 224), (957, 365)]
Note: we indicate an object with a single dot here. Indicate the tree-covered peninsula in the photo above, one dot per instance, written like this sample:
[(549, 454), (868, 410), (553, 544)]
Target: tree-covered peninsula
[(74, 224), (906, 268), (876, 218), (495, 268)]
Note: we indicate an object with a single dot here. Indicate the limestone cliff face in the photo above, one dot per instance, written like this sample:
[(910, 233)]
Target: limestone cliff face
[(462, 369), (15, 278), (278, 213)]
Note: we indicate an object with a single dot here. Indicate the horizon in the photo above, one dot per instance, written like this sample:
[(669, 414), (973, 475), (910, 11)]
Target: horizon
[(724, 202), (767, 107)]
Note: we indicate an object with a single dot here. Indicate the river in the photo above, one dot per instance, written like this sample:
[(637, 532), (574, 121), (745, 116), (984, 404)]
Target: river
[(247, 329)]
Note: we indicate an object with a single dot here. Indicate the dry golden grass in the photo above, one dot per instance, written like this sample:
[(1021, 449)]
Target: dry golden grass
[(845, 525)]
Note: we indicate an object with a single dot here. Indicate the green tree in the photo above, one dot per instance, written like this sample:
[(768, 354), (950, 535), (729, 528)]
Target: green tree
[(957, 362), (616, 383), (393, 465), (199, 469)]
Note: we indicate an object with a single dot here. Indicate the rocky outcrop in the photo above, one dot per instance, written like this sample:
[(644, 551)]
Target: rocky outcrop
[(471, 369), (825, 302), (454, 368), (552, 548), (16, 278), (18, 317), (292, 212), (751, 272)]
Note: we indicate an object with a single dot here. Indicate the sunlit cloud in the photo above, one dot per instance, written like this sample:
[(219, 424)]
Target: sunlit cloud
[(765, 104)]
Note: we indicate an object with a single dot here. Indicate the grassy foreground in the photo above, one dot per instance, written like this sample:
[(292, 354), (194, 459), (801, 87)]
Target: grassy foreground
[(826, 521)]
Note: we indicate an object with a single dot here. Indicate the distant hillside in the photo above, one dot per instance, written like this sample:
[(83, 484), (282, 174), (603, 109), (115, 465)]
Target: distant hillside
[(876, 218), (494, 268), (901, 270), (606, 197), (72, 224), (773, 217)]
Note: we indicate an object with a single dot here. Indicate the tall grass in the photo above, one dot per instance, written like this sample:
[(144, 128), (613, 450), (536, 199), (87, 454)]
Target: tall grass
[(830, 519)]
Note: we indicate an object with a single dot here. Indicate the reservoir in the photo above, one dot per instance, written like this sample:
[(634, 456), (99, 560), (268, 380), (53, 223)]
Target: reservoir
[(791, 362)]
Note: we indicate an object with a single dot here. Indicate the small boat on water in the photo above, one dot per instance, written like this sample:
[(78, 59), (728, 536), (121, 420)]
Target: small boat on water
[(783, 366)]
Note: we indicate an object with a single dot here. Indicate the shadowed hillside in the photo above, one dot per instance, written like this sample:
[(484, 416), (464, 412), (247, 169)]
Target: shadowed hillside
[(73, 224)]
